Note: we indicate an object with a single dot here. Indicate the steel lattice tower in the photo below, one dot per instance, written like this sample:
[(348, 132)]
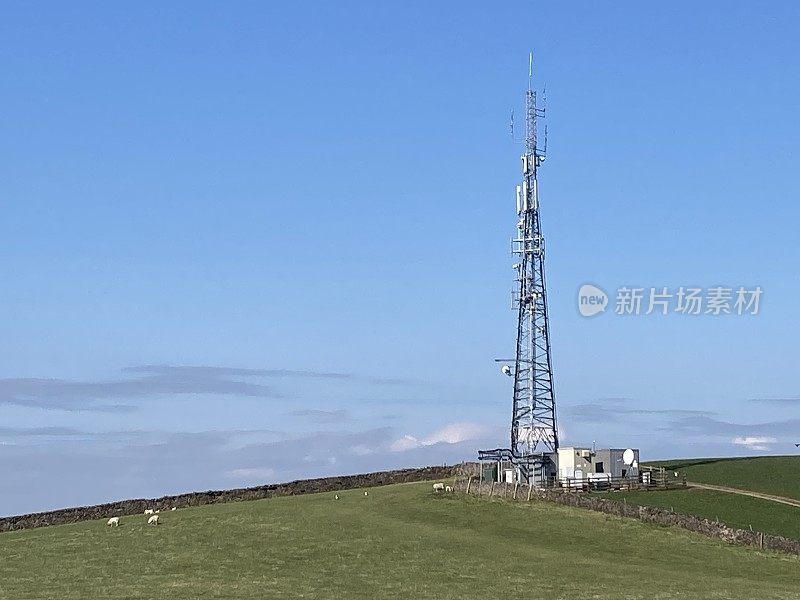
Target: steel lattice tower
[(533, 421)]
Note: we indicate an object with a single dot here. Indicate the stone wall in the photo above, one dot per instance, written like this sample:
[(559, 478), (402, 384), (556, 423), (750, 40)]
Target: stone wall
[(304, 486), (648, 514)]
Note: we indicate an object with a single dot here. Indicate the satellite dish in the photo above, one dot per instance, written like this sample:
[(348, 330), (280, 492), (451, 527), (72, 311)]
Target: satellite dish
[(506, 370), (628, 457)]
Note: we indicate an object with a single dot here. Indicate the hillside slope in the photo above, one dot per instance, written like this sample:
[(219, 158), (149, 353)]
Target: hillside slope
[(778, 475), (400, 541), (741, 512)]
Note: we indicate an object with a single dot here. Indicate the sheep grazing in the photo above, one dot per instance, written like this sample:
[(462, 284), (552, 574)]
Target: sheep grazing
[(438, 487), (113, 522), (158, 511), (173, 508), (153, 520), (366, 493), (336, 496), (148, 511), (448, 489)]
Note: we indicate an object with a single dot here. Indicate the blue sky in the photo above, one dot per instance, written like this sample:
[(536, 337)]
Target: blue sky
[(246, 242)]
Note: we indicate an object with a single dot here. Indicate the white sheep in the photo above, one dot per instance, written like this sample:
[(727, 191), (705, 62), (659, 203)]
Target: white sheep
[(448, 489), (336, 496), (366, 493), (148, 511), (173, 508), (153, 520), (113, 522), (438, 487)]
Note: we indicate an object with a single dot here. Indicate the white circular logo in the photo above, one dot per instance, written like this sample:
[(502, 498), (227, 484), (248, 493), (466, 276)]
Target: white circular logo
[(591, 300)]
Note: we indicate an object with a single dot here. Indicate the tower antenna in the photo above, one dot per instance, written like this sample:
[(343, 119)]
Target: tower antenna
[(530, 70), (534, 432)]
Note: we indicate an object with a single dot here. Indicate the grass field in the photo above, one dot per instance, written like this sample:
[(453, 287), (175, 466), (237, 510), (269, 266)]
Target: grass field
[(732, 509), (401, 541), (778, 475)]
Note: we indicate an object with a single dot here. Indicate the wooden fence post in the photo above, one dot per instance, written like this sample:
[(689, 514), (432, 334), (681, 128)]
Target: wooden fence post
[(469, 483), (516, 487), (491, 490), (530, 487)]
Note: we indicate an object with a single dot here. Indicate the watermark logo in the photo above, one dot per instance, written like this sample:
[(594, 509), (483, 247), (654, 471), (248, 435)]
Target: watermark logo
[(685, 300), (591, 300)]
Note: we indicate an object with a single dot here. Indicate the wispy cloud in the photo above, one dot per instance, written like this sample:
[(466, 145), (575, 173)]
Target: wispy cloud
[(260, 473), (58, 435), (34, 432), (780, 401), (685, 426), (211, 372), (153, 381), (754, 442), (607, 410), (703, 425), (322, 416), (112, 395), (453, 433)]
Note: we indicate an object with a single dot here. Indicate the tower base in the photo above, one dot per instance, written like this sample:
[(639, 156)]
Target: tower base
[(502, 465)]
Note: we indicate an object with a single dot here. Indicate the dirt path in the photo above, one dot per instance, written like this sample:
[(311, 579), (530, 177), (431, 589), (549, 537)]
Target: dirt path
[(722, 488)]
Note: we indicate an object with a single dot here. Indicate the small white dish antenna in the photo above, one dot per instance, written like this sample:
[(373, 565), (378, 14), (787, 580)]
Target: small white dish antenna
[(506, 370), (628, 457)]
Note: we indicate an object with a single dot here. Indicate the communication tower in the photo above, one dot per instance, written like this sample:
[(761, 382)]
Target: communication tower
[(534, 434)]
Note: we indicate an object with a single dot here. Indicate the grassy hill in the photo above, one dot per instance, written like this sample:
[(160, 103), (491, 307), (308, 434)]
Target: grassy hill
[(778, 475), (401, 541), (735, 510)]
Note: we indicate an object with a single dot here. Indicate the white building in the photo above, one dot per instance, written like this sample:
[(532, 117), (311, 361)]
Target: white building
[(580, 463)]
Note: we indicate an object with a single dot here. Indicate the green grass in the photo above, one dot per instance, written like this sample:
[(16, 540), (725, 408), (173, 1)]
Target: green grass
[(732, 509), (778, 475), (401, 541)]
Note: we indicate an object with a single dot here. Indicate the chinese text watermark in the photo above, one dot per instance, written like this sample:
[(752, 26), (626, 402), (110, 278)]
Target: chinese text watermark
[(684, 300)]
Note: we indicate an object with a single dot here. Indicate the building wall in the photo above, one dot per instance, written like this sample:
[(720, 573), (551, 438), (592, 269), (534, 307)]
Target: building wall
[(611, 459), (573, 462)]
